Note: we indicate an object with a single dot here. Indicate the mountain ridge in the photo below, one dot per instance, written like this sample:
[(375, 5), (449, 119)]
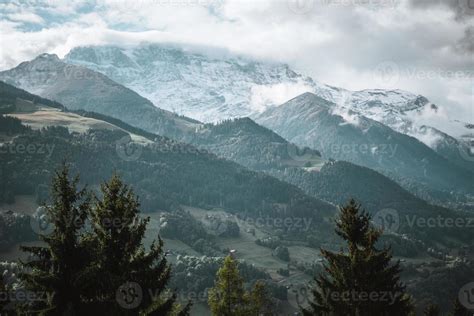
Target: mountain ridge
[(83, 89), (309, 120)]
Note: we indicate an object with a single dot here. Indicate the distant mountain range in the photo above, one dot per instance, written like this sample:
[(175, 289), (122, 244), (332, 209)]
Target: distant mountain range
[(258, 148), (309, 120), (85, 89), (165, 178), (211, 89), (337, 130), (163, 172), (214, 88)]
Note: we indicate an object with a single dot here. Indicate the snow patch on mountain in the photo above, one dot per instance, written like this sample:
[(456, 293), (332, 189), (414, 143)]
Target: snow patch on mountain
[(214, 88)]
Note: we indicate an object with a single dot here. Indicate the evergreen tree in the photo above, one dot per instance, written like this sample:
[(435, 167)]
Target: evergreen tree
[(56, 270), (260, 301), (362, 281), (128, 279), (228, 297)]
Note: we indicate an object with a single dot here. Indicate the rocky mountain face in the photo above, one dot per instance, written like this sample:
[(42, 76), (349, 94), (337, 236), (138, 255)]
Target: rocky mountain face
[(215, 88), (364, 124), (80, 88), (309, 120), (205, 88)]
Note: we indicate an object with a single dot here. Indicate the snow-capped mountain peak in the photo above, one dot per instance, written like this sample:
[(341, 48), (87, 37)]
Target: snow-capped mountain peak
[(215, 88)]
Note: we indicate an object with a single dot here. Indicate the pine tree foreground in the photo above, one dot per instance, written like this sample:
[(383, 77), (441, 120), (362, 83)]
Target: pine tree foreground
[(123, 271), (57, 269), (94, 261), (362, 281), (229, 298)]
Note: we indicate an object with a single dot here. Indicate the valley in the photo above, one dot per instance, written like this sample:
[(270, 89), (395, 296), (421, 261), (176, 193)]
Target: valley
[(260, 179)]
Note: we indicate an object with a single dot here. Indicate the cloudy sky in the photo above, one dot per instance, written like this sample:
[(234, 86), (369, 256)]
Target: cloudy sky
[(423, 46)]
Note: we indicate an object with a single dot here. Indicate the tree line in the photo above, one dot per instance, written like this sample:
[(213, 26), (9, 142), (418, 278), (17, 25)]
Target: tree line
[(94, 262)]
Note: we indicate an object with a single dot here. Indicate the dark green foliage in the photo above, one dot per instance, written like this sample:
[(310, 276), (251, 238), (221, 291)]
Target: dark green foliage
[(338, 181), (193, 276), (441, 283), (14, 228), (119, 257), (94, 260), (247, 143), (58, 269), (260, 302), (11, 125), (223, 228), (228, 297), (260, 149), (164, 175), (9, 95), (183, 226), (361, 281), (276, 290)]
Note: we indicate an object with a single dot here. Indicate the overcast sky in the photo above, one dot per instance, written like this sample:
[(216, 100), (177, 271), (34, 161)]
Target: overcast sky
[(423, 46)]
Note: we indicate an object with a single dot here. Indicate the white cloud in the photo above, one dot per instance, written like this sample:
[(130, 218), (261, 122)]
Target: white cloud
[(26, 17), (339, 42), (264, 96)]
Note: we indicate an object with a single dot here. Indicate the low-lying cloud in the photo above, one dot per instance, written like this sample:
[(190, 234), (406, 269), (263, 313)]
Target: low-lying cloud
[(338, 42)]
